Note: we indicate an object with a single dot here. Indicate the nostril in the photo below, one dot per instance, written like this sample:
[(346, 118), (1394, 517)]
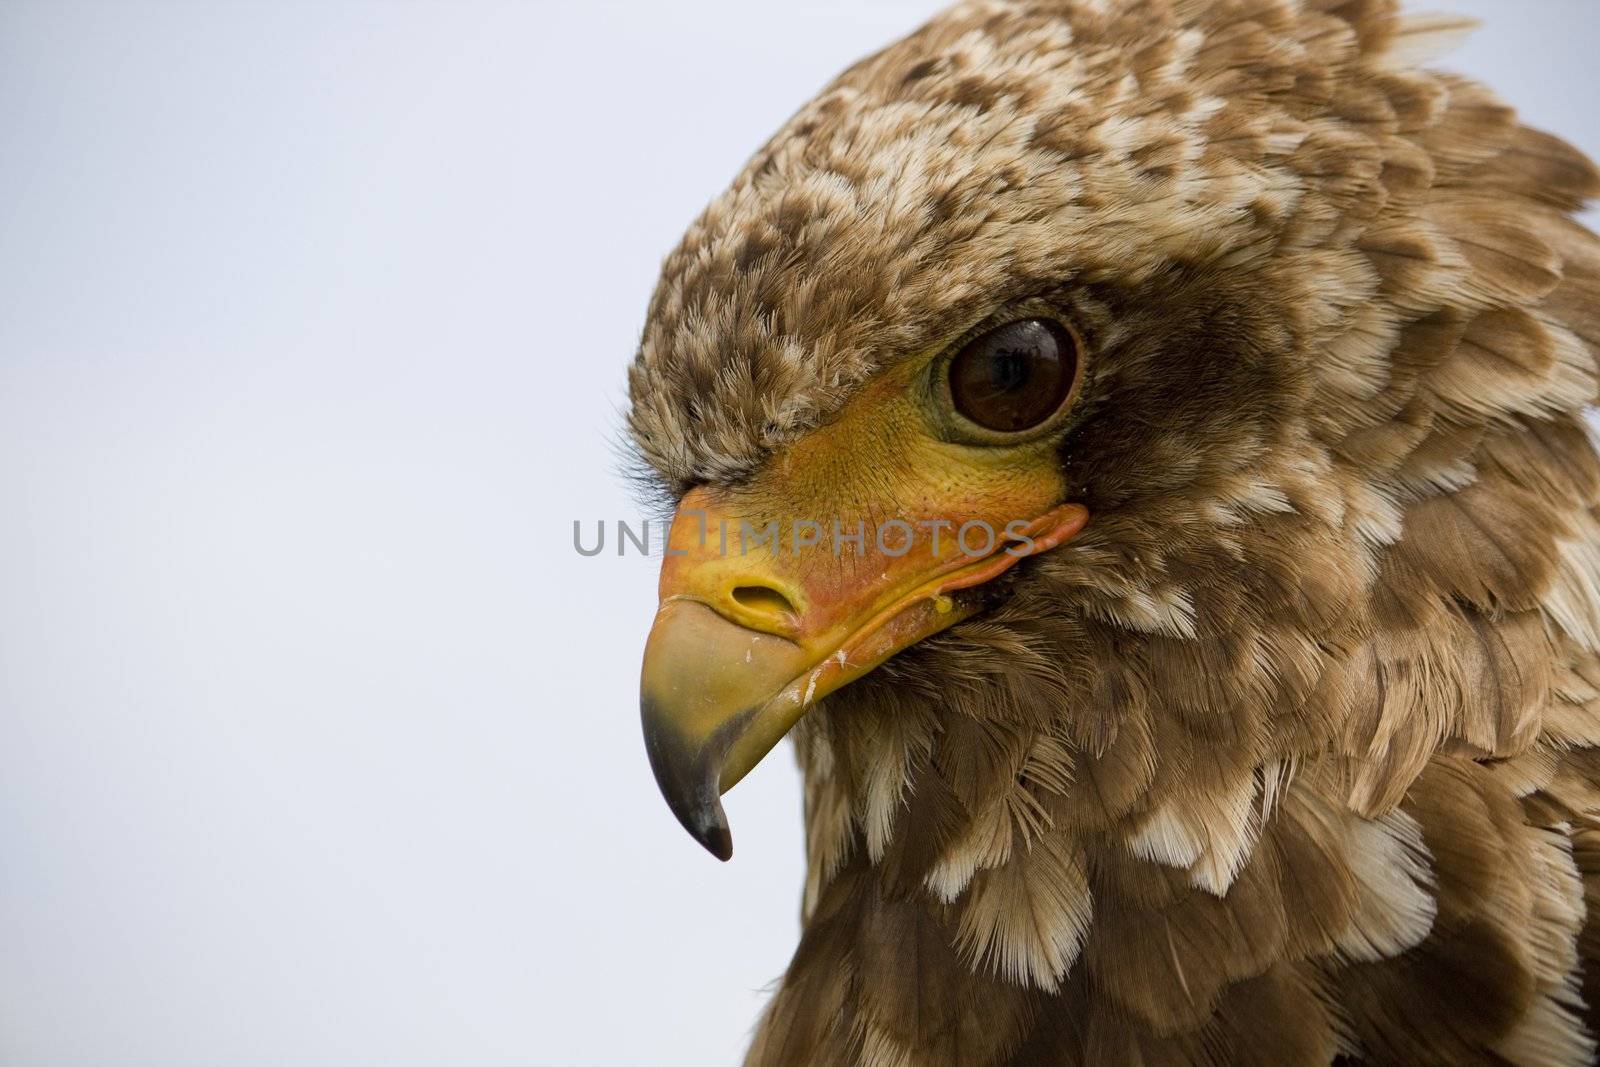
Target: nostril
[(762, 599)]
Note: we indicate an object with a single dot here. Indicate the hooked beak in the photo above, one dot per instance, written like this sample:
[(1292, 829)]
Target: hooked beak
[(744, 642)]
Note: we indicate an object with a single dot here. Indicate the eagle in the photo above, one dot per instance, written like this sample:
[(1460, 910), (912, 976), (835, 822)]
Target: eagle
[(1136, 450)]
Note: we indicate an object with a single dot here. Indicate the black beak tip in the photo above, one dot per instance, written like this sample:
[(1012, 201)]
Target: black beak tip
[(688, 781), (707, 823), (718, 841)]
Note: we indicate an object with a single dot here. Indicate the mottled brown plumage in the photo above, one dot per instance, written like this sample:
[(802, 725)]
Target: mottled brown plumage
[(1291, 756)]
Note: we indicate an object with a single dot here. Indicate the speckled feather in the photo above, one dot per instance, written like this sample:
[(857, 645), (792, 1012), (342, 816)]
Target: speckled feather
[(1292, 756)]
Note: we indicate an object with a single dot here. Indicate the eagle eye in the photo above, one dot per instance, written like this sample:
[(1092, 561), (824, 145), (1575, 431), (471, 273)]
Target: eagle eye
[(1015, 376)]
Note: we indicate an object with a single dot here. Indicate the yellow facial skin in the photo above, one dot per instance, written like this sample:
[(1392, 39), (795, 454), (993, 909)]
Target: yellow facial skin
[(753, 629)]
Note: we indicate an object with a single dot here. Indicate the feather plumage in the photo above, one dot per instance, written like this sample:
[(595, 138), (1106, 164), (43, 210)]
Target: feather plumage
[(1295, 754)]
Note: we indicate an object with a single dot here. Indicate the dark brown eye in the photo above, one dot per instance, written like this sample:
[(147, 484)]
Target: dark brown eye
[(1015, 376)]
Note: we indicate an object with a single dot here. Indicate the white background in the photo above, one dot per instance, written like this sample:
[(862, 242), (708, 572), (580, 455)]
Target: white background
[(318, 741)]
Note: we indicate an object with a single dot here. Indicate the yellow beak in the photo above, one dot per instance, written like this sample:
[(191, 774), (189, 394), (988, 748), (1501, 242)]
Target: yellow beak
[(745, 641)]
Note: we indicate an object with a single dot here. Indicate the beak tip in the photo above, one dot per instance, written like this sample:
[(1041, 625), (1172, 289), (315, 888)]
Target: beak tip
[(708, 824), (687, 777), (718, 841)]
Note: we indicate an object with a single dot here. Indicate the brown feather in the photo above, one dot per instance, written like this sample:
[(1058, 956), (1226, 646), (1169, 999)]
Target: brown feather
[(1293, 755)]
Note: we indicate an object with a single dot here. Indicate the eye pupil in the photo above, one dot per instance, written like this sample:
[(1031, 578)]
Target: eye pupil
[(1015, 376), (1011, 370)]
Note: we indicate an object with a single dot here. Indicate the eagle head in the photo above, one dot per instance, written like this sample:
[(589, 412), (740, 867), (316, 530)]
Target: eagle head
[(1126, 445)]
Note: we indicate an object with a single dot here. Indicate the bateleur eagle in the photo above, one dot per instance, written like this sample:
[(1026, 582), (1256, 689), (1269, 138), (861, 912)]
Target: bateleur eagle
[(1253, 716)]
